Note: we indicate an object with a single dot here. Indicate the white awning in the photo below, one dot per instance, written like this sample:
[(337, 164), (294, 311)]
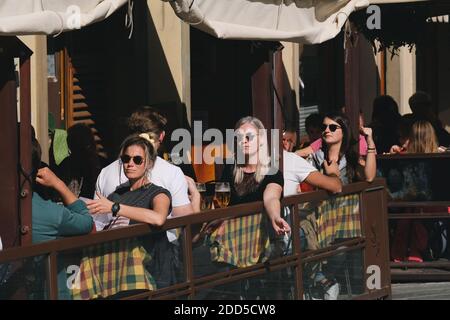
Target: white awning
[(305, 21), (20, 17)]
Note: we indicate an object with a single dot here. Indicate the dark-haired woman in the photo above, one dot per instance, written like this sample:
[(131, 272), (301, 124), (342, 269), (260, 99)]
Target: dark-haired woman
[(339, 218)]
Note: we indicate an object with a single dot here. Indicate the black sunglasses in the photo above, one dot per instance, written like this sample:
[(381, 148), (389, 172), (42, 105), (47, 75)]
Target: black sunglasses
[(249, 137), (136, 159), (333, 127)]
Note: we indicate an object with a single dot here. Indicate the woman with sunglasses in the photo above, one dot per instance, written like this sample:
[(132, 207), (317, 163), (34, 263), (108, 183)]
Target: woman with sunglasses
[(339, 219), (244, 241), (139, 200), (337, 146), (249, 177)]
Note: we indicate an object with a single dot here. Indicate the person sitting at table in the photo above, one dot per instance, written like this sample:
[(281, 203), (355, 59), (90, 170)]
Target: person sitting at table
[(385, 120), (312, 127), (410, 238), (80, 169), (316, 145), (290, 139), (138, 200), (340, 219), (147, 120), (251, 179), (53, 221)]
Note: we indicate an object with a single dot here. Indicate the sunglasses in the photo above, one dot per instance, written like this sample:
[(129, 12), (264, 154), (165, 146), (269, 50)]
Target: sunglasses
[(249, 137), (333, 127), (138, 160)]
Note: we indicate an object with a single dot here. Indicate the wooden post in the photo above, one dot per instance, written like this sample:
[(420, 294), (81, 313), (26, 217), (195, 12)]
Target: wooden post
[(352, 80), (267, 94), (278, 94), (9, 183), (261, 97), (26, 192), (15, 145)]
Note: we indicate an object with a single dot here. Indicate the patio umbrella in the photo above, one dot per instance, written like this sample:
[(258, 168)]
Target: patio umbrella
[(20, 17), (305, 21)]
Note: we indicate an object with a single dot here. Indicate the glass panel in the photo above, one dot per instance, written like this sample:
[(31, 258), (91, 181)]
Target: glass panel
[(234, 243), (325, 223), (339, 277), (273, 285), (24, 279), (124, 268)]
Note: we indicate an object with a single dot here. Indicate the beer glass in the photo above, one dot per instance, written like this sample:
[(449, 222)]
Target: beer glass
[(205, 202), (222, 194)]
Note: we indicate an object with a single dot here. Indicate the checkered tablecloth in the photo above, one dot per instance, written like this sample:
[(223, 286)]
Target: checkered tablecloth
[(338, 218), (241, 242), (109, 268)]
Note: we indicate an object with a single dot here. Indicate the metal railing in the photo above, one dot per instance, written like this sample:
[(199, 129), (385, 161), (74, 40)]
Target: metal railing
[(373, 243)]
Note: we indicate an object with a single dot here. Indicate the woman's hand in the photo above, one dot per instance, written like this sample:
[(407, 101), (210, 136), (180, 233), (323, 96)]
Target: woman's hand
[(100, 205), (192, 188), (280, 226), (331, 169), (47, 178), (194, 195), (366, 132), (396, 149)]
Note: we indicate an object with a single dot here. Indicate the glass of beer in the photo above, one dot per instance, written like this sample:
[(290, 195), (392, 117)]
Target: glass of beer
[(205, 202), (222, 194)]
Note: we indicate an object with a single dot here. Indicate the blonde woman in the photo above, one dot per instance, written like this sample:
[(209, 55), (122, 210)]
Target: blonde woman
[(249, 176), (411, 238), (422, 139), (244, 241)]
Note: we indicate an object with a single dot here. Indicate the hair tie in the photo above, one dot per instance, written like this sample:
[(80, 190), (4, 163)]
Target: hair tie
[(146, 136)]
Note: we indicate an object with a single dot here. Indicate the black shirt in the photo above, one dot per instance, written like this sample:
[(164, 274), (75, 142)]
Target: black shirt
[(252, 196), (142, 197)]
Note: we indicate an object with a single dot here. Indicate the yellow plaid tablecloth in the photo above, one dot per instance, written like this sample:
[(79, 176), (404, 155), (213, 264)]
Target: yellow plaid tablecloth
[(338, 218), (241, 242), (109, 268)]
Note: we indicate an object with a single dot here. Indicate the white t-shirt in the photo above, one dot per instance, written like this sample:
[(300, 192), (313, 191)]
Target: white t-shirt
[(295, 170), (163, 174)]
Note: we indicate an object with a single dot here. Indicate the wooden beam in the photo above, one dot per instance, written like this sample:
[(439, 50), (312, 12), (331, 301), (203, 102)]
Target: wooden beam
[(9, 187), (26, 192), (352, 81)]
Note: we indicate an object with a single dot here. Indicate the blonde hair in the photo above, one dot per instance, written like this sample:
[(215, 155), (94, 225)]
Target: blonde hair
[(422, 138), (263, 164)]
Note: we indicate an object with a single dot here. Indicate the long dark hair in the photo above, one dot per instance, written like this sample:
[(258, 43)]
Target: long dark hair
[(347, 150)]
